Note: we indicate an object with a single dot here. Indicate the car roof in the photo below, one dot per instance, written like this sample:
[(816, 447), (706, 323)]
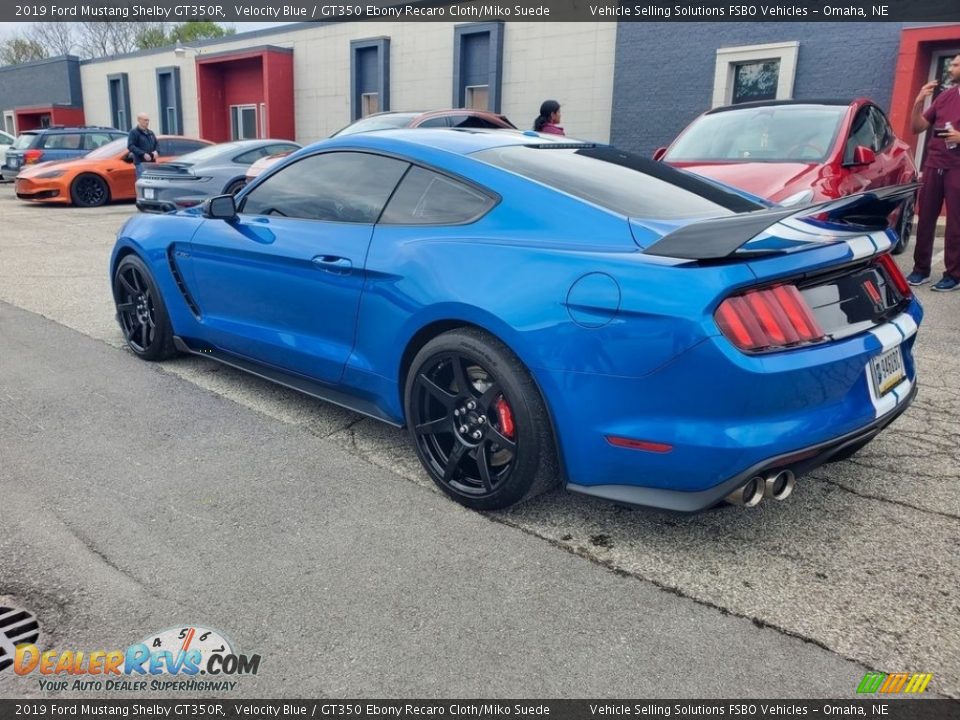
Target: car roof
[(461, 141), (779, 103)]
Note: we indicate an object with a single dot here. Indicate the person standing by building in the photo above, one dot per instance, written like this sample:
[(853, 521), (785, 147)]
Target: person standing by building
[(941, 181), (142, 143), (548, 121)]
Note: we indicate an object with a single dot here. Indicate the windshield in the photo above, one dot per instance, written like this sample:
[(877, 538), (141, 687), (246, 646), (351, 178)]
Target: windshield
[(779, 133), (108, 150), (624, 183), (378, 122)]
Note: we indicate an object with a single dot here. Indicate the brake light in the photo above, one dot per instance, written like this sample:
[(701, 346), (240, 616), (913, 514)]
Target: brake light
[(774, 317), (32, 156), (895, 275)]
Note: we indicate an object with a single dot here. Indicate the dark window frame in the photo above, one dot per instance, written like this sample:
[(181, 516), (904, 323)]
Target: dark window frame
[(123, 81), (494, 30), (174, 72), (382, 46)]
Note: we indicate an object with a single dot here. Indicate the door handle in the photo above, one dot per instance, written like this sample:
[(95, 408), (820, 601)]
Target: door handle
[(333, 264)]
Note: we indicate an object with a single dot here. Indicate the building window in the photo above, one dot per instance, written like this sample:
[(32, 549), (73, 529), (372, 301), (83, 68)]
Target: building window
[(478, 66), (369, 76), (118, 88), (477, 97), (243, 122), (9, 124), (168, 100), (755, 81), (755, 72)]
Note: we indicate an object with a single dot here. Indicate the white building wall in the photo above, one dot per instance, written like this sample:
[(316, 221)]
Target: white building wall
[(570, 62)]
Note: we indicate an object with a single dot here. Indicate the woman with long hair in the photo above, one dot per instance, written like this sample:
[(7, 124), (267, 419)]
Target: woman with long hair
[(549, 118)]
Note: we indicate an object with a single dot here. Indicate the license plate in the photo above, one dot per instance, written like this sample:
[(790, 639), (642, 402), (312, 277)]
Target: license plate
[(14, 162), (887, 370), (149, 193)]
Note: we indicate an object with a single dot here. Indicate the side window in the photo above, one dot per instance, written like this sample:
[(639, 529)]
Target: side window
[(427, 198), (861, 133), (472, 121), (434, 122), (63, 141), (178, 146), (336, 187), (884, 132), (95, 140), (251, 156)]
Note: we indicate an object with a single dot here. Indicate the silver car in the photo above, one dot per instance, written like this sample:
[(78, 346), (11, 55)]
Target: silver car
[(191, 178)]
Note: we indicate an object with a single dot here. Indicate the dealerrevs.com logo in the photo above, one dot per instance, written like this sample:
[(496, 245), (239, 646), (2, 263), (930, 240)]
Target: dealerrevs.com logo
[(170, 660), (878, 682)]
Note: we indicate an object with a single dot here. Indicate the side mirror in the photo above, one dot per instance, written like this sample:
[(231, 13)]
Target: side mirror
[(862, 155), (221, 207), (659, 153)]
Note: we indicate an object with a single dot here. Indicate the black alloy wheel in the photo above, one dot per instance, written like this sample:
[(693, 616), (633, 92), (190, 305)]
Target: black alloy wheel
[(141, 312), (904, 227), (478, 422), (234, 187), (89, 191)]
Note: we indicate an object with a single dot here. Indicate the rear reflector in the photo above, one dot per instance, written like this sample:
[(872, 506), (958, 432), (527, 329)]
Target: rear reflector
[(776, 317), (632, 444)]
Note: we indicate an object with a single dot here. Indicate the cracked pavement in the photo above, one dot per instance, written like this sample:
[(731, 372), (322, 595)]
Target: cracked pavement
[(859, 570)]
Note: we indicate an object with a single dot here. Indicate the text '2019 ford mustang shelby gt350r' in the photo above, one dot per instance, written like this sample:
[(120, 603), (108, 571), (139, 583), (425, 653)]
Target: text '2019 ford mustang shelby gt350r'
[(535, 309)]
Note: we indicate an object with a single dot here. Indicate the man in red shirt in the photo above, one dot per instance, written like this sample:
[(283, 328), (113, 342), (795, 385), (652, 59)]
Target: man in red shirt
[(941, 181)]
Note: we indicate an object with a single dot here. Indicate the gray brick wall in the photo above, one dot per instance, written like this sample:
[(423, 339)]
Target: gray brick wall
[(664, 72), (44, 82)]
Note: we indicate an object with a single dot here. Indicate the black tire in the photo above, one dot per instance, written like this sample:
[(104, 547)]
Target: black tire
[(235, 186), (486, 466), (89, 190), (904, 227), (141, 311)]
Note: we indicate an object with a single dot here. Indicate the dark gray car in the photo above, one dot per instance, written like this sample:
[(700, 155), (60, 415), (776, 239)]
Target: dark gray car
[(212, 171)]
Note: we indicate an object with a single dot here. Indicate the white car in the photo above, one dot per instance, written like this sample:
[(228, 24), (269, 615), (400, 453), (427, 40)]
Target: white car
[(6, 140)]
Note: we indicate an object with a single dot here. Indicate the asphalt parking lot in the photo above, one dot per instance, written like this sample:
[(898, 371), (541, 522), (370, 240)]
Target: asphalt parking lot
[(564, 596)]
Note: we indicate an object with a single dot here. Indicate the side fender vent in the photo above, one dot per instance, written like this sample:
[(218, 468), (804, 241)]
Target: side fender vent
[(181, 285)]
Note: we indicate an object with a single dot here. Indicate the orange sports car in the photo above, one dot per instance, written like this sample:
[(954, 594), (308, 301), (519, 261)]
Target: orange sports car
[(100, 176)]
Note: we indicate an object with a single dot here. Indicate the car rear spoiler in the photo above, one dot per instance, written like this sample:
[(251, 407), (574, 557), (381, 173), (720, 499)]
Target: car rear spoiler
[(778, 230)]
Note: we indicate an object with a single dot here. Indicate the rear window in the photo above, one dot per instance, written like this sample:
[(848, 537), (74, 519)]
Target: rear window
[(378, 122), (24, 141), (620, 182)]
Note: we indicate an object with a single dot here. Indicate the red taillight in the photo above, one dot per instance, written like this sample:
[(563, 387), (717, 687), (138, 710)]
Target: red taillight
[(32, 156), (770, 318), (895, 275)]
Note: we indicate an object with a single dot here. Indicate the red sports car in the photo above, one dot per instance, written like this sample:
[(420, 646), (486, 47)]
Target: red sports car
[(798, 152)]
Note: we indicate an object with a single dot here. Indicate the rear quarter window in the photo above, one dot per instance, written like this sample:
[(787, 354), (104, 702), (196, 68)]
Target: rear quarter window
[(428, 198)]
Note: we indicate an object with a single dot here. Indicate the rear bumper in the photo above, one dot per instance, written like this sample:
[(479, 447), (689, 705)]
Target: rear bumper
[(798, 461), (719, 416)]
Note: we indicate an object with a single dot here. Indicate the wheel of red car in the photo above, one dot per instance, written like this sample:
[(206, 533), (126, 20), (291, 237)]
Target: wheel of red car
[(89, 191), (141, 311), (904, 227), (478, 421)]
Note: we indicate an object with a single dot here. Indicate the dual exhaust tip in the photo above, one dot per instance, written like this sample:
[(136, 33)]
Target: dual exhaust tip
[(777, 485)]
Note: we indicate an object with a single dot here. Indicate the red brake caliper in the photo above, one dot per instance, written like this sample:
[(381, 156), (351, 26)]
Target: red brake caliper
[(506, 417)]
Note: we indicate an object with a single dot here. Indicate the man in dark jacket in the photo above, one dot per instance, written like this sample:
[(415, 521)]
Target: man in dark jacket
[(142, 143)]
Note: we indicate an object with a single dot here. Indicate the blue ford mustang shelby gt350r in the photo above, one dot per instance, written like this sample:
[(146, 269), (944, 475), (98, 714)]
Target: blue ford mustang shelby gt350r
[(535, 310)]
